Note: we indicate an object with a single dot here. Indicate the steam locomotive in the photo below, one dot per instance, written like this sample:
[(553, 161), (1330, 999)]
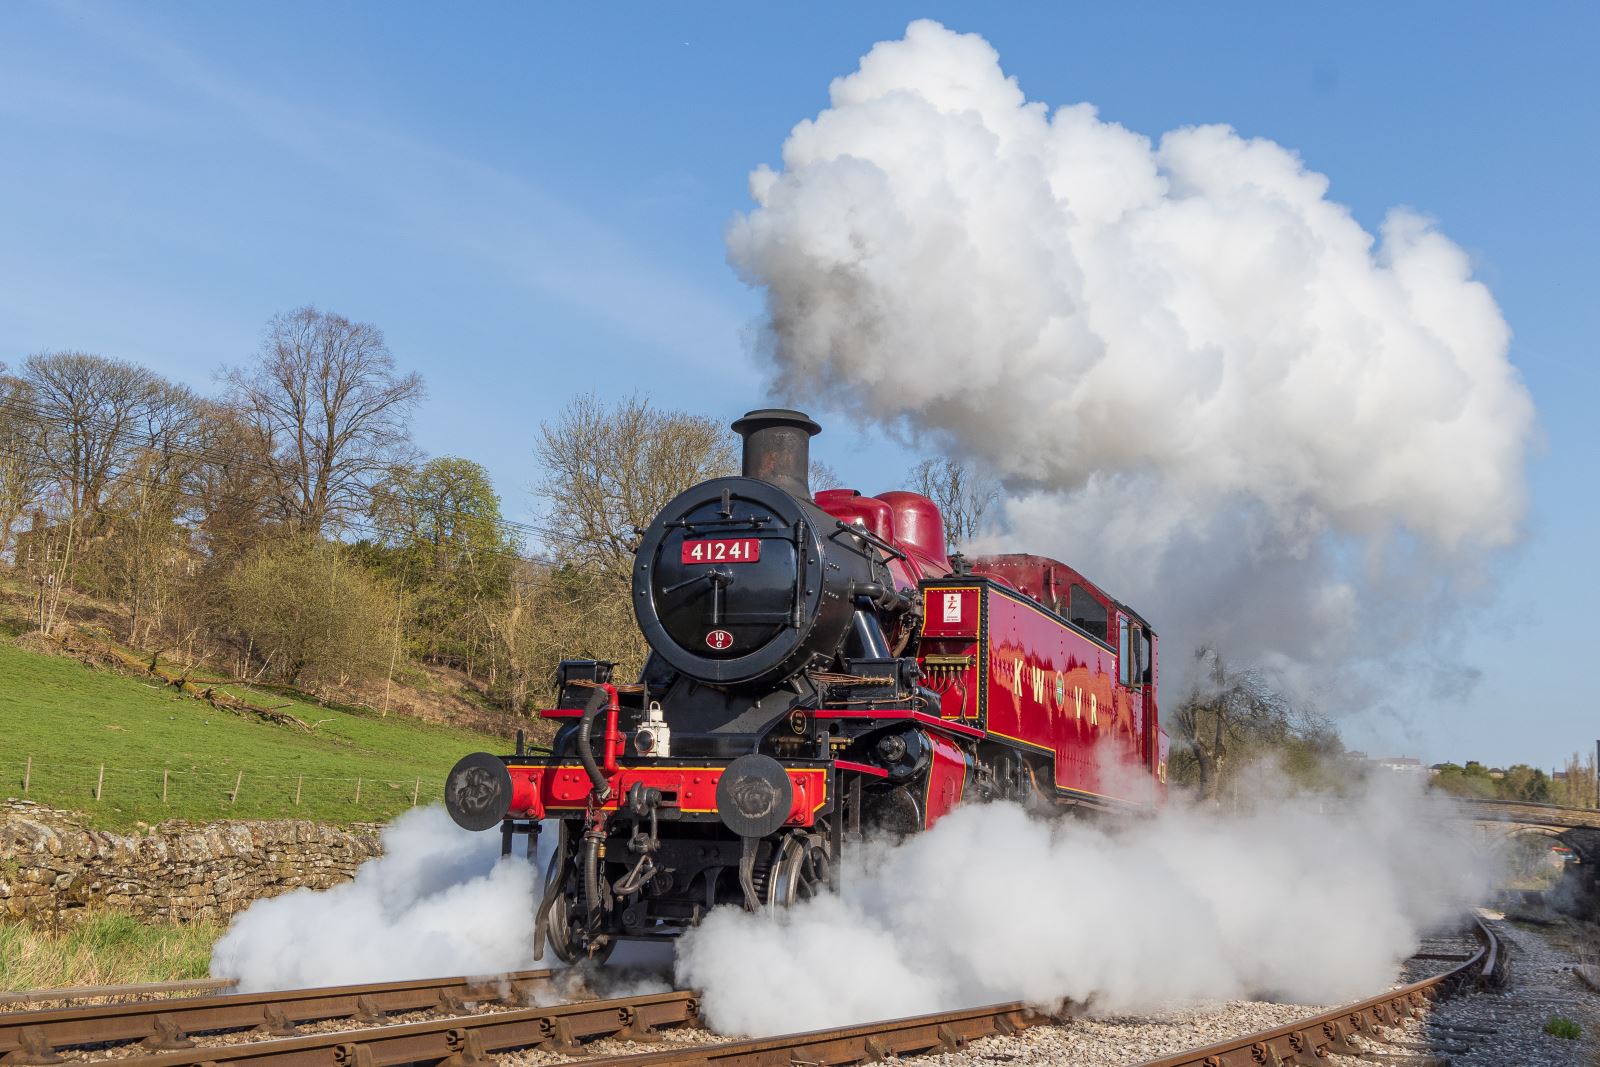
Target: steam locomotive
[(819, 669)]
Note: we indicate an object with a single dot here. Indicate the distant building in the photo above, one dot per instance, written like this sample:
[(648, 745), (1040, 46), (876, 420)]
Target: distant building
[(1400, 765)]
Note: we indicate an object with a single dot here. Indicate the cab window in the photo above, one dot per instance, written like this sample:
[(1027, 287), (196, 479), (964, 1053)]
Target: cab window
[(1133, 653), (1124, 659), (1087, 613)]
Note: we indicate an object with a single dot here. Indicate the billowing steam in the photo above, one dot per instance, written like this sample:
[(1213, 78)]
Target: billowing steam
[(1308, 901), (989, 906), (438, 902), (1201, 379)]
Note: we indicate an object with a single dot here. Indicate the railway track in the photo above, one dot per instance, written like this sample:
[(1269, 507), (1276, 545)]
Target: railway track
[(1351, 1030), (459, 1041), (33, 1036), (494, 1023)]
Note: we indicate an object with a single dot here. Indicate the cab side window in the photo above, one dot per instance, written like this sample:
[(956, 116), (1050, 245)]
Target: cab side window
[(1133, 653), (1124, 652), (1086, 612)]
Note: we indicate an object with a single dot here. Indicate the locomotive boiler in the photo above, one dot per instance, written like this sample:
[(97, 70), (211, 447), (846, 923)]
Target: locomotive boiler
[(819, 669)]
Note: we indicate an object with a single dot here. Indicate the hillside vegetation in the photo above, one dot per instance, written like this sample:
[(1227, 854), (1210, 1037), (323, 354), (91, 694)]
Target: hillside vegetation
[(271, 580), (71, 719), (286, 530)]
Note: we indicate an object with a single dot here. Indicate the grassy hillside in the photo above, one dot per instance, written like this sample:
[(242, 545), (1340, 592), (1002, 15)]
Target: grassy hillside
[(70, 719)]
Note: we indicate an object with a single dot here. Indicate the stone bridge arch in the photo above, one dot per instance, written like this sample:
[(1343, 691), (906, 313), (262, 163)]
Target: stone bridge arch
[(1578, 829), (1582, 847)]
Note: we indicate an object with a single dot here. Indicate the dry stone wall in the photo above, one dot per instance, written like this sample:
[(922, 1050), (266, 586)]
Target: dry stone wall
[(53, 870)]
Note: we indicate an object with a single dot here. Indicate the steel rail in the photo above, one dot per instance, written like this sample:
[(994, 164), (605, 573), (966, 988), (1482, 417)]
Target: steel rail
[(462, 1042), (1310, 1041), (946, 1031), (146, 990), (39, 1032)]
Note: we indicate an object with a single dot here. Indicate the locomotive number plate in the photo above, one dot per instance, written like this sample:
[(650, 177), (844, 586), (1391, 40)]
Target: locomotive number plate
[(722, 550)]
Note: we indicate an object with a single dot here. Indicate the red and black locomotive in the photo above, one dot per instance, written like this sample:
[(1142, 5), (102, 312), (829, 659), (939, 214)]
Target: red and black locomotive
[(819, 668)]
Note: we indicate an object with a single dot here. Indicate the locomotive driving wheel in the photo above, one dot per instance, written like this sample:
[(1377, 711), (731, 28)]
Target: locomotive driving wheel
[(1014, 780), (567, 947), (800, 871)]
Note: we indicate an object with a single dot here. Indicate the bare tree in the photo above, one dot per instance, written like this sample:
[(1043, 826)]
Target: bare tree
[(234, 490), (1223, 706), (610, 468), (823, 477), (20, 475), (1233, 716), (1577, 786), (555, 613), (334, 413), (98, 417), (964, 495)]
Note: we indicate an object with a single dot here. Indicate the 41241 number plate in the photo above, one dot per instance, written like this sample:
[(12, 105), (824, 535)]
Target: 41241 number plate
[(722, 550)]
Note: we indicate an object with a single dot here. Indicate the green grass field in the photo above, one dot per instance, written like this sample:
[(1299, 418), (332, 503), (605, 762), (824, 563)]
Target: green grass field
[(105, 949), (70, 719)]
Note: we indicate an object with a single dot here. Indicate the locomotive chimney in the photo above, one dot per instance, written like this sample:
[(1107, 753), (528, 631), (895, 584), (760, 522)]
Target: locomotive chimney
[(777, 448)]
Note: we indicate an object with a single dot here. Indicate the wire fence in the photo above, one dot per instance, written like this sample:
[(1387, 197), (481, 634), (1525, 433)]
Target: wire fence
[(235, 789)]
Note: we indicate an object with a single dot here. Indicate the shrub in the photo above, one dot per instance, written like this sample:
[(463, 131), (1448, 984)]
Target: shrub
[(310, 612)]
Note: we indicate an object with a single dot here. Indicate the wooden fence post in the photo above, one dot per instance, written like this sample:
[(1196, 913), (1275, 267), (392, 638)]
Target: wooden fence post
[(358, 790), (27, 776), (100, 783), (414, 791), (236, 783), (298, 783), (163, 785)]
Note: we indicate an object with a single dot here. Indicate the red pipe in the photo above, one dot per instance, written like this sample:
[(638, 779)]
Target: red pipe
[(613, 736)]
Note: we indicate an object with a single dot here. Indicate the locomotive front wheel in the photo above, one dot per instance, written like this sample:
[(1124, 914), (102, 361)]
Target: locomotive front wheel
[(560, 936), (800, 872)]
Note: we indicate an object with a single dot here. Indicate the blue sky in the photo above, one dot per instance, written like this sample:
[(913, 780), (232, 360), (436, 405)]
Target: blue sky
[(530, 201)]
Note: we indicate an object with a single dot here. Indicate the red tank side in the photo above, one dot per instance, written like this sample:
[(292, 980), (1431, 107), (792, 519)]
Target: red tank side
[(919, 529), (908, 521), (848, 505)]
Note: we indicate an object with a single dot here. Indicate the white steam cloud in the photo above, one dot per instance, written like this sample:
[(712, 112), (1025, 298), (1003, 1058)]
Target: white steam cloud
[(439, 901), (993, 906), (1202, 380)]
